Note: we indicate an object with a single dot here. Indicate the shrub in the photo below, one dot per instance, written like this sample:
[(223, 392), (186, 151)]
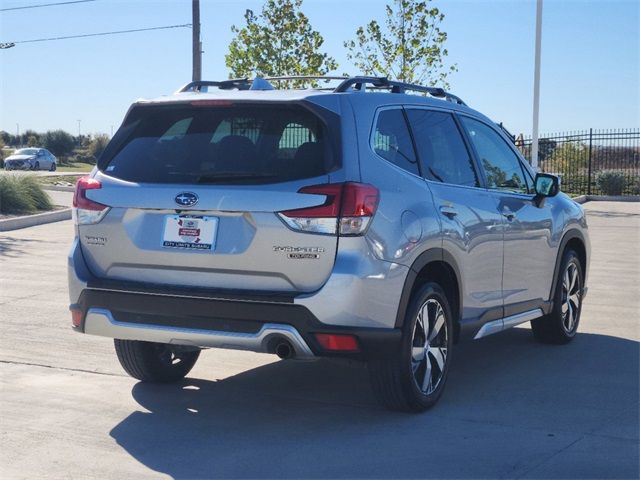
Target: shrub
[(22, 194), (58, 142), (611, 182), (34, 191)]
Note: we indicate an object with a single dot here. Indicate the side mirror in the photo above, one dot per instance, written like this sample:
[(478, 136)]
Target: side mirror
[(546, 185)]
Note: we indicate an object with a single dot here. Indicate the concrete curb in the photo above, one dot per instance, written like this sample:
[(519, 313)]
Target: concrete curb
[(606, 198), (33, 220), (58, 188)]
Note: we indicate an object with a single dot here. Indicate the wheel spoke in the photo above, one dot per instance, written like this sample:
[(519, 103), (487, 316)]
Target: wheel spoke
[(569, 320), (424, 315), (437, 324), (439, 355), (426, 381), (574, 276), (565, 307), (575, 300), (417, 354), (565, 281)]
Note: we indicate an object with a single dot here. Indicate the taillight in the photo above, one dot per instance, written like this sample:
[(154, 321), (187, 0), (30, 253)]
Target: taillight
[(347, 210), (87, 211)]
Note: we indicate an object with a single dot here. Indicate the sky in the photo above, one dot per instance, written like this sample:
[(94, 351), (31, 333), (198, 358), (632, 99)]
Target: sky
[(589, 76)]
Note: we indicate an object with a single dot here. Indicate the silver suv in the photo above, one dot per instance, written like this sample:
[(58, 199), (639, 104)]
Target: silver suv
[(360, 222)]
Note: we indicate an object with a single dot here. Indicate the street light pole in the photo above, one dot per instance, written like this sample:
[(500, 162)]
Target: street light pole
[(79, 121), (536, 87), (196, 46)]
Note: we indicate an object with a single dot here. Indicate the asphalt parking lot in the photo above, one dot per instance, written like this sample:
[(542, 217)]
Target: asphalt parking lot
[(512, 408)]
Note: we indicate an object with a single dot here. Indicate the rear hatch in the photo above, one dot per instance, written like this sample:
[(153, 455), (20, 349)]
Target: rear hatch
[(193, 191)]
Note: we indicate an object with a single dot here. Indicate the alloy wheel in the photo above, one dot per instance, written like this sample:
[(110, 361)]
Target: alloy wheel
[(168, 355), (570, 297), (429, 346)]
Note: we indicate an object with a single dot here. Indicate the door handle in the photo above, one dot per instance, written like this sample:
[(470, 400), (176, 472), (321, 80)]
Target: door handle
[(448, 211)]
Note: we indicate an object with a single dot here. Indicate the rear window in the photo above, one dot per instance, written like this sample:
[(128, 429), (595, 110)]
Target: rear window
[(221, 144)]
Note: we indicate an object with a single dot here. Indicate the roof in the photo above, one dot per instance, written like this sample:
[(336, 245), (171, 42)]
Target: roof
[(262, 89)]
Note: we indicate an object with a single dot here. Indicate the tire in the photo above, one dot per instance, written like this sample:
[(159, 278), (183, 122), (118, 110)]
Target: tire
[(400, 382), (53, 167), (155, 362), (36, 166), (560, 326)]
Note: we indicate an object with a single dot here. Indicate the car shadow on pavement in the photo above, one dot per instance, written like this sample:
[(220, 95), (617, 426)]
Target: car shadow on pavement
[(510, 404)]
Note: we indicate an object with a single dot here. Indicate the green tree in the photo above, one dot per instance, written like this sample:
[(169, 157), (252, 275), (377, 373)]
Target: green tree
[(569, 157), (546, 147), (58, 142), (97, 145), (410, 46), (30, 138), (278, 41)]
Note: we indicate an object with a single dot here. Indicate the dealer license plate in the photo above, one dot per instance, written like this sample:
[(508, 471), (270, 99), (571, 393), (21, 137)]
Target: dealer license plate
[(190, 232)]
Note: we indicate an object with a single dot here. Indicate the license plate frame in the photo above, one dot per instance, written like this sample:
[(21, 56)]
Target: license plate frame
[(190, 232)]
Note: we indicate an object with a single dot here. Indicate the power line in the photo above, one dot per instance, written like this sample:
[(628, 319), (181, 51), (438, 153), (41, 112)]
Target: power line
[(44, 5), (186, 25)]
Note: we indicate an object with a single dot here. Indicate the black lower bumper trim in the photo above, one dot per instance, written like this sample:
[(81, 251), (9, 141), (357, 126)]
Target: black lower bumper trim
[(234, 316)]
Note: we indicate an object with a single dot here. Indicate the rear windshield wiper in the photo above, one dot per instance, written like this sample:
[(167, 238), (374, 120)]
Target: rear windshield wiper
[(224, 176)]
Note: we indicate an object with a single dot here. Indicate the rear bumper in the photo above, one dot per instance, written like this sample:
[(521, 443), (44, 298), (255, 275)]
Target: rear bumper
[(209, 321)]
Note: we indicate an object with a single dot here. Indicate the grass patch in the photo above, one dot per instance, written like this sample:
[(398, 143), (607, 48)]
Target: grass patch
[(22, 194), (75, 167)]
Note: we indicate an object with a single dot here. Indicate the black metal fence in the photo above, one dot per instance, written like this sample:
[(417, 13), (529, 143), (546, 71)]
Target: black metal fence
[(580, 158)]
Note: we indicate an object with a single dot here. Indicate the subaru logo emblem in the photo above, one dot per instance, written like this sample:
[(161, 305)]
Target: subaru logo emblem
[(186, 199)]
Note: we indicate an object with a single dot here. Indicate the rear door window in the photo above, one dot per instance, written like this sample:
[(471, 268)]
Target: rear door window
[(442, 151), (223, 144), (392, 141)]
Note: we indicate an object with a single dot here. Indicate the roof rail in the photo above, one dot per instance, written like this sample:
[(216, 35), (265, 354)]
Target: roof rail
[(234, 84), (396, 87), (305, 77)]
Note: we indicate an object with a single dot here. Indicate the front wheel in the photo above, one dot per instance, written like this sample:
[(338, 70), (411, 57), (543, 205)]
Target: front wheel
[(560, 326), (53, 167), (414, 379), (155, 362), (36, 166)]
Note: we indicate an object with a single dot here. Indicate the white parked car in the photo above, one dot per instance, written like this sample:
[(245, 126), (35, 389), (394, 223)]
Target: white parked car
[(31, 159)]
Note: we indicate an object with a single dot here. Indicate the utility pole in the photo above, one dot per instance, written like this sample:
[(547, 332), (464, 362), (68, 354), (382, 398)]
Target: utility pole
[(112, 130), (79, 121), (196, 45), (18, 130), (536, 87)]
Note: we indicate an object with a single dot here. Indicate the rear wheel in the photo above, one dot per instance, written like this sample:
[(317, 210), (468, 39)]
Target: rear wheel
[(560, 326), (155, 362), (414, 379)]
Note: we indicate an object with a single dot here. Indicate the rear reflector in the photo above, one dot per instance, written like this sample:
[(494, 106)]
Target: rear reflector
[(347, 210), (338, 343), (86, 211), (76, 317)]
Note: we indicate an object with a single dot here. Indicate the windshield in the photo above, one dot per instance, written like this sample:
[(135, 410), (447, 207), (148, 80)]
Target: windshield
[(27, 151), (229, 143)]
